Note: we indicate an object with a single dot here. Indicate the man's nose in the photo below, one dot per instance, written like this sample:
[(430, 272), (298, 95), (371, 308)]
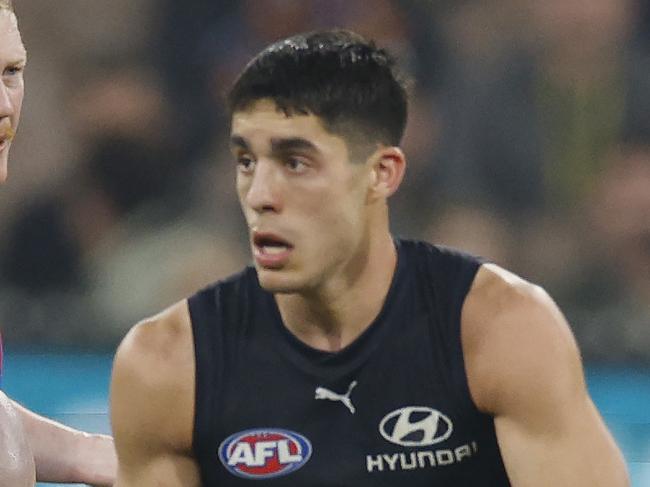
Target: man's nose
[(6, 107), (264, 192)]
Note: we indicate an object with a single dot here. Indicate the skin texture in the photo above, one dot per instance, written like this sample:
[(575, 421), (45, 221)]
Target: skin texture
[(13, 58), (152, 402), (16, 461), (523, 367), (63, 454), (329, 284), (33, 447), (295, 194)]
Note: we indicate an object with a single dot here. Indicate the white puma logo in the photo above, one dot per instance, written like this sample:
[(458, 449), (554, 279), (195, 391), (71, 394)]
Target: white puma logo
[(322, 393)]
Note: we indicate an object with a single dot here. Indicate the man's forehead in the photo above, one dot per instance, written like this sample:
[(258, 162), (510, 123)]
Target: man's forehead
[(264, 120), (11, 44), (267, 111), (265, 128)]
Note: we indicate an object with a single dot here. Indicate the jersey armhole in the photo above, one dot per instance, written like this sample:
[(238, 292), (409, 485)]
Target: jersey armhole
[(203, 313), (453, 274), (466, 284)]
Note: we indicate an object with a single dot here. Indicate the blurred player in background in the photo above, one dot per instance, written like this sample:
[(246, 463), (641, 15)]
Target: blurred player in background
[(33, 448), (345, 356)]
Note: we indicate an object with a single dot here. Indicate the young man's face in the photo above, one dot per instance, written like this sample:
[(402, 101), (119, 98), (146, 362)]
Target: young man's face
[(304, 201), (12, 63)]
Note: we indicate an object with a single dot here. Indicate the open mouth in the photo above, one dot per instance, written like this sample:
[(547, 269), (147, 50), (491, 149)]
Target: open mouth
[(270, 243), (270, 250)]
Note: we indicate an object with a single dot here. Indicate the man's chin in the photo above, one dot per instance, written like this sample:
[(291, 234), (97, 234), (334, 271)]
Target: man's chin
[(277, 281)]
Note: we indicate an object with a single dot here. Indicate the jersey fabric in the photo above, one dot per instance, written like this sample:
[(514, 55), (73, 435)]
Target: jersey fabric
[(391, 409)]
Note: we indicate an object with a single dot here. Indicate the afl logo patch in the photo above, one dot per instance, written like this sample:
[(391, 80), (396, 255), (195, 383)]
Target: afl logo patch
[(264, 453), (416, 426)]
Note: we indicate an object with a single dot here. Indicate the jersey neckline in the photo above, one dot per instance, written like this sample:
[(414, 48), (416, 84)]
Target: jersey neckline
[(321, 362)]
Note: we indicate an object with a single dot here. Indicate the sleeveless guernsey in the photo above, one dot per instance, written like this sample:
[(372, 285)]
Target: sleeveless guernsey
[(391, 409)]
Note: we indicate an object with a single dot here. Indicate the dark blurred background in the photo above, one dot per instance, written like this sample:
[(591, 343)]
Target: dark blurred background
[(528, 143)]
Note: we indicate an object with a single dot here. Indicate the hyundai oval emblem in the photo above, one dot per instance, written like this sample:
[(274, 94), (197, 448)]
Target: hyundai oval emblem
[(415, 426)]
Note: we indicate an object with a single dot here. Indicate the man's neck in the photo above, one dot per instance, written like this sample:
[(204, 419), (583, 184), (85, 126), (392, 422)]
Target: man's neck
[(346, 305)]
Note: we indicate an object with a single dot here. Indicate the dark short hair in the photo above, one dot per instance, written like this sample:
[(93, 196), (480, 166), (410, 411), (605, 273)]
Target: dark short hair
[(337, 75)]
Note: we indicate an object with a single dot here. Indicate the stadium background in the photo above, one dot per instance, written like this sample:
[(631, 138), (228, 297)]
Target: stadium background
[(528, 143)]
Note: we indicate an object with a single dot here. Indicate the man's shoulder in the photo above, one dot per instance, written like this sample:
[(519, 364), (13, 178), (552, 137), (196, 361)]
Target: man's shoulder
[(497, 290), (160, 342), (165, 341), (153, 373), (510, 324), (499, 306), (499, 297)]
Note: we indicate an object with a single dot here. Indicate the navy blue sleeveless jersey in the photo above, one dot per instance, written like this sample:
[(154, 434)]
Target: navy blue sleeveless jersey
[(391, 409)]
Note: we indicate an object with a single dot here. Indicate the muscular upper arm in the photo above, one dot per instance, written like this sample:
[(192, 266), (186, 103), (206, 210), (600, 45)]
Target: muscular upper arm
[(524, 367), (152, 403)]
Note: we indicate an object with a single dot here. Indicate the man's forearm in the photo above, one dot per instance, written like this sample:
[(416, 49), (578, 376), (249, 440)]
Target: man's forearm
[(63, 454)]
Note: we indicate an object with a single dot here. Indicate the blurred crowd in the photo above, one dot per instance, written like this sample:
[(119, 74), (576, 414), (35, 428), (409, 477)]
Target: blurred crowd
[(528, 143)]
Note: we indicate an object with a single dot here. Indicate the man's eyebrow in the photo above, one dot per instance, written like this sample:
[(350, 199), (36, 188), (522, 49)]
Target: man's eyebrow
[(18, 62), (238, 142), (292, 143)]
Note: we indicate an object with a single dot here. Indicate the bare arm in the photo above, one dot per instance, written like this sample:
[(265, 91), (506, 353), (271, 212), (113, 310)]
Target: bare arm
[(152, 403), (16, 459), (63, 454), (524, 368)]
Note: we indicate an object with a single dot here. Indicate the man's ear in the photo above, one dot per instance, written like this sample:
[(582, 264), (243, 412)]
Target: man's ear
[(387, 167)]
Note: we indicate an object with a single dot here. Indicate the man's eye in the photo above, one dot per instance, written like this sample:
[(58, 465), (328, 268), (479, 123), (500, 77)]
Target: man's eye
[(245, 163), (13, 70), (296, 164)]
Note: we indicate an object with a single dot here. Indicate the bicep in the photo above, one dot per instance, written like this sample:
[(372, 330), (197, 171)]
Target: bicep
[(549, 431), (566, 445), (144, 459), (524, 368), (159, 470)]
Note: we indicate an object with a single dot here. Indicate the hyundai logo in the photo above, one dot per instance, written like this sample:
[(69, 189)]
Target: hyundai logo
[(415, 426)]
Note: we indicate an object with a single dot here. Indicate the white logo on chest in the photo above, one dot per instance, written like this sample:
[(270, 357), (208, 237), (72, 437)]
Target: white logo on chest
[(322, 393), (416, 426)]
